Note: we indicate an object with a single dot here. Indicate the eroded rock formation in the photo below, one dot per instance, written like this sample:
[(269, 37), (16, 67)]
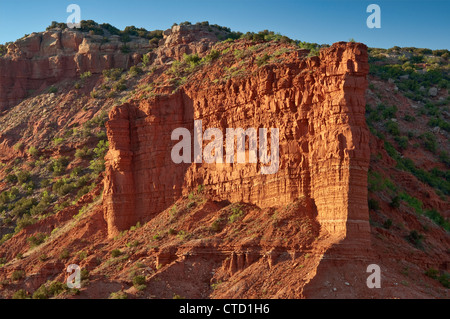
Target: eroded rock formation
[(316, 103), (41, 59)]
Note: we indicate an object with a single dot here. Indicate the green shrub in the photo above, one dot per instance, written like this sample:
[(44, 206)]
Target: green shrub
[(125, 49), (402, 142), (395, 203), (415, 238), (438, 219), (3, 49), (101, 135), (33, 151), (36, 240), (216, 225), (23, 206), (17, 275), (389, 112), (437, 121), (84, 274), (23, 176), (192, 59), (83, 191), (18, 146), (138, 280), (94, 94), (61, 206), (63, 187), (373, 204), (65, 254), (120, 85), (56, 288), (118, 295), (430, 142), (260, 61), (145, 60), (237, 213), (409, 118), (20, 294), (100, 119), (135, 70), (432, 273), (444, 158), (392, 128), (84, 152), (212, 55), (182, 235), (412, 202), (435, 178), (85, 75), (41, 293), (11, 178), (134, 243), (97, 165), (125, 38), (58, 140), (52, 89), (23, 222), (116, 253), (76, 171), (101, 149), (58, 166), (112, 74), (444, 279), (377, 183), (387, 224)]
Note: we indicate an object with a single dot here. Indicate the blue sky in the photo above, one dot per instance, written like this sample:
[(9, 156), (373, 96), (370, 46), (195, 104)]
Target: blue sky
[(423, 24)]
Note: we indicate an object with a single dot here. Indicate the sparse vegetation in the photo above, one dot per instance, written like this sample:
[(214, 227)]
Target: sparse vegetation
[(85, 75), (145, 60), (116, 253), (373, 204), (138, 280), (53, 89), (20, 294), (415, 238), (112, 74), (443, 278), (49, 290), (37, 239), (262, 60), (118, 295), (65, 254), (17, 275), (237, 213)]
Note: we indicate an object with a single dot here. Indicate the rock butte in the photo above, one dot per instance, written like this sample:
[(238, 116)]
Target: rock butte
[(42, 59), (317, 103)]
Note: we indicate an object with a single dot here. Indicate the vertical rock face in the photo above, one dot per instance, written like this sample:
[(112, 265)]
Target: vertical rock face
[(42, 59), (339, 153), (316, 103)]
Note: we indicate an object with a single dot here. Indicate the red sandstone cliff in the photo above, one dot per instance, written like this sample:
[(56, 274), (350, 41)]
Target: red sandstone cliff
[(42, 59), (318, 105)]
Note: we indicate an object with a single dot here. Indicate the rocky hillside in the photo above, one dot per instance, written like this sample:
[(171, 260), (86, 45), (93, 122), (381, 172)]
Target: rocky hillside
[(86, 175)]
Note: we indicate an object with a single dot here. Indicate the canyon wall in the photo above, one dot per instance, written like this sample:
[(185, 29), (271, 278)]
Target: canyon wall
[(316, 103), (41, 59)]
